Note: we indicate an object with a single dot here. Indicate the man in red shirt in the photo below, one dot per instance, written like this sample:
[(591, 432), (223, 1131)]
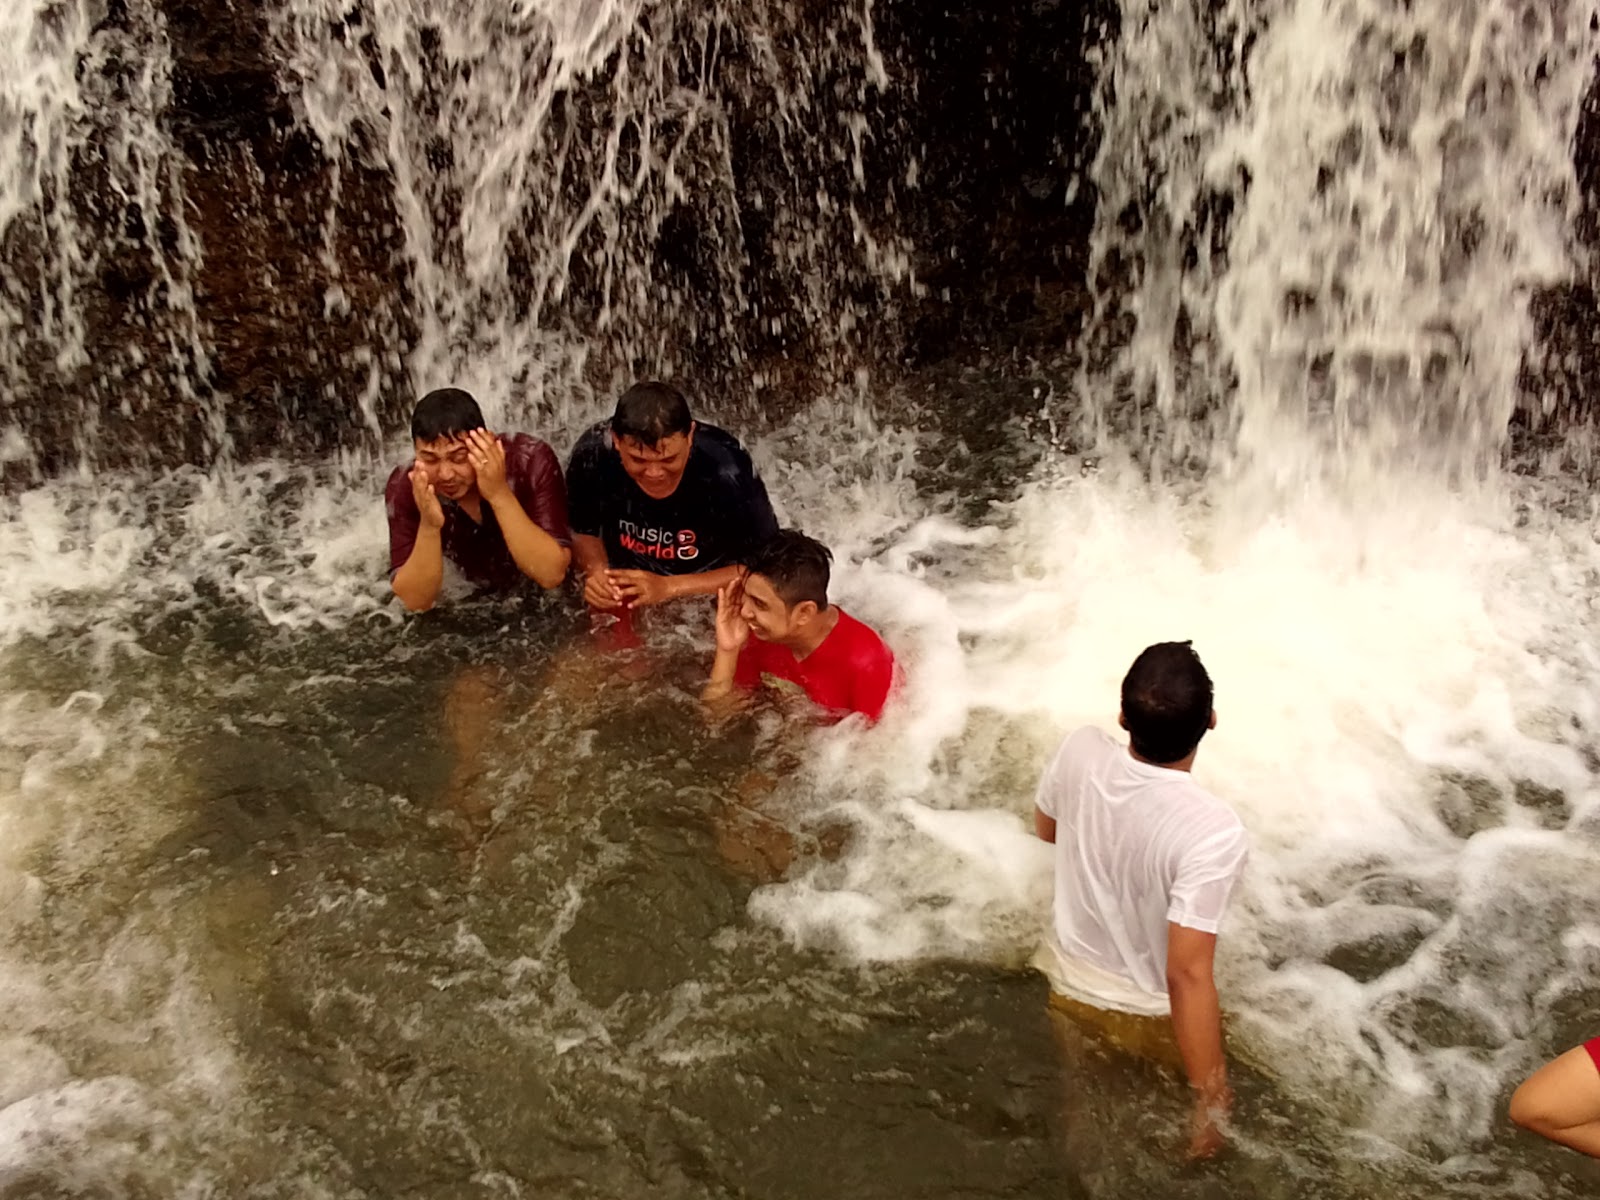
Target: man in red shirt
[(493, 505), (800, 639)]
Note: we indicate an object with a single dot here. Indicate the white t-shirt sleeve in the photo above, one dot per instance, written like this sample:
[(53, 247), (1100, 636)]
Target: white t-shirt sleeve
[(1050, 784), (1206, 878), (1045, 798), (1053, 782)]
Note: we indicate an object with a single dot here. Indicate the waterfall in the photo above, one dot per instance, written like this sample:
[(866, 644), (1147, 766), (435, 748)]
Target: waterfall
[(1320, 228), (393, 194), (93, 216), (238, 241), (1322, 223), (634, 182)]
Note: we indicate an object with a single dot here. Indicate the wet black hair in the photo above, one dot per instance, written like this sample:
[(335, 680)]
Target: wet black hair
[(795, 565), (445, 412), (651, 412), (1166, 702)]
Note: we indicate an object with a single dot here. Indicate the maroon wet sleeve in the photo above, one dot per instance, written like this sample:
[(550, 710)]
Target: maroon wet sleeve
[(404, 518), (539, 487)]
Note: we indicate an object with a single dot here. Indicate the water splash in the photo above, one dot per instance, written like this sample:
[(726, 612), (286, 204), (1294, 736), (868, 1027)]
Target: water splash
[(1420, 790), (1321, 225), (651, 178), (97, 312)]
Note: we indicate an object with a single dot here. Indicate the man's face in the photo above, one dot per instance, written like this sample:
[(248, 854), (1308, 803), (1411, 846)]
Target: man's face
[(448, 463), (656, 469), (770, 619)]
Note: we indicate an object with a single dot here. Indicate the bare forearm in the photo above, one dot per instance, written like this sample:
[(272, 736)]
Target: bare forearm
[(417, 582), (706, 584), (1197, 1026), (537, 555), (590, 552), (721, 685)]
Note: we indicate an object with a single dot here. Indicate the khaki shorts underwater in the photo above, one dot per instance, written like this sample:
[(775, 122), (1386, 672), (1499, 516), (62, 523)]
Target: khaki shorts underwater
[(1140, 1035), (1148, 1038)]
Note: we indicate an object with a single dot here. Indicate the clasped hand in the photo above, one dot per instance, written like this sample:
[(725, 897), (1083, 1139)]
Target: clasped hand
[(609, 589)]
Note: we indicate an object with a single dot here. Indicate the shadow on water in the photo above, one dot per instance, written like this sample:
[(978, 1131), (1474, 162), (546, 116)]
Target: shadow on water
[(532, 971)]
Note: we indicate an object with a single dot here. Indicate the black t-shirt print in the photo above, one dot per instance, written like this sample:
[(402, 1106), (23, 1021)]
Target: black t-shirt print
[(718, 513)]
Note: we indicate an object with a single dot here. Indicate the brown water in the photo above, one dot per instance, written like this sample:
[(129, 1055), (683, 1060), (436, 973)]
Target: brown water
[(426, 912)]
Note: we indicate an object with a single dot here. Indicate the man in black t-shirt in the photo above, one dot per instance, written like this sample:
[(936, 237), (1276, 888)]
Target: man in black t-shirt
[(660, 505)]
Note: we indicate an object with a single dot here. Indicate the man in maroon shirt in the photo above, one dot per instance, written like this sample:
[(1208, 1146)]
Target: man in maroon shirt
[(800, 639), (495, 506)]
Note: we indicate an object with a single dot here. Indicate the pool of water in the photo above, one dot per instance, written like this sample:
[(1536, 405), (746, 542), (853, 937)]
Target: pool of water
[(307, 898)]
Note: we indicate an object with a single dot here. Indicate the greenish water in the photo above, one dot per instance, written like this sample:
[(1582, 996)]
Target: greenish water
[(305, 898), (425, 911)]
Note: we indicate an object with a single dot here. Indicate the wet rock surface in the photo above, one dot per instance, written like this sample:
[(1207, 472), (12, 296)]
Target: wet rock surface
[(262, 300), (1561, 373)]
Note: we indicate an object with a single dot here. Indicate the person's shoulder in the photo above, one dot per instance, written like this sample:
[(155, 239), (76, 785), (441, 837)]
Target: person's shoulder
[(1086, 749), (596, 437), (398, 486), (714, 438), (1208, 815), (526, 443), (863, 641), (532, 452), (1089, 741), (592, 447), (720, 452), (525, 448)]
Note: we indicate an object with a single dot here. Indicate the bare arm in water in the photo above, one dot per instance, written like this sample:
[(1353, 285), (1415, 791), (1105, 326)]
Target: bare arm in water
[(1197, 1025)]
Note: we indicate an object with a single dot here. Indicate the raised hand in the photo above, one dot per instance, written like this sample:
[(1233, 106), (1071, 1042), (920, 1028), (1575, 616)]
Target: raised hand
[(733, 631), (489, 463), (427, 502)]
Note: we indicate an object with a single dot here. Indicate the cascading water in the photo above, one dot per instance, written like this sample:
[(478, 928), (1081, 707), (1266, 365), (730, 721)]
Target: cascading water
[(566, 173), (92, 197), (1319, 228), (412, 898), (1326, 221), (1331, 244)]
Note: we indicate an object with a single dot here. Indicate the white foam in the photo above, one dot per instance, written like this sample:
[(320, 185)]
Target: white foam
[(1355, 658), (1360, 650), (1345, 207)]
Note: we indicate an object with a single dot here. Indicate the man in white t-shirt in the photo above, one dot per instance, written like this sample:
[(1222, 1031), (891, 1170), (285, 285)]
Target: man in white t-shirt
[(1145, 861)]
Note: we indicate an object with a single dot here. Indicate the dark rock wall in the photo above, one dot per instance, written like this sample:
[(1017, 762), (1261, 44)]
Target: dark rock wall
[(290, 319), (302, 286), (974, 157), (999, 118)]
